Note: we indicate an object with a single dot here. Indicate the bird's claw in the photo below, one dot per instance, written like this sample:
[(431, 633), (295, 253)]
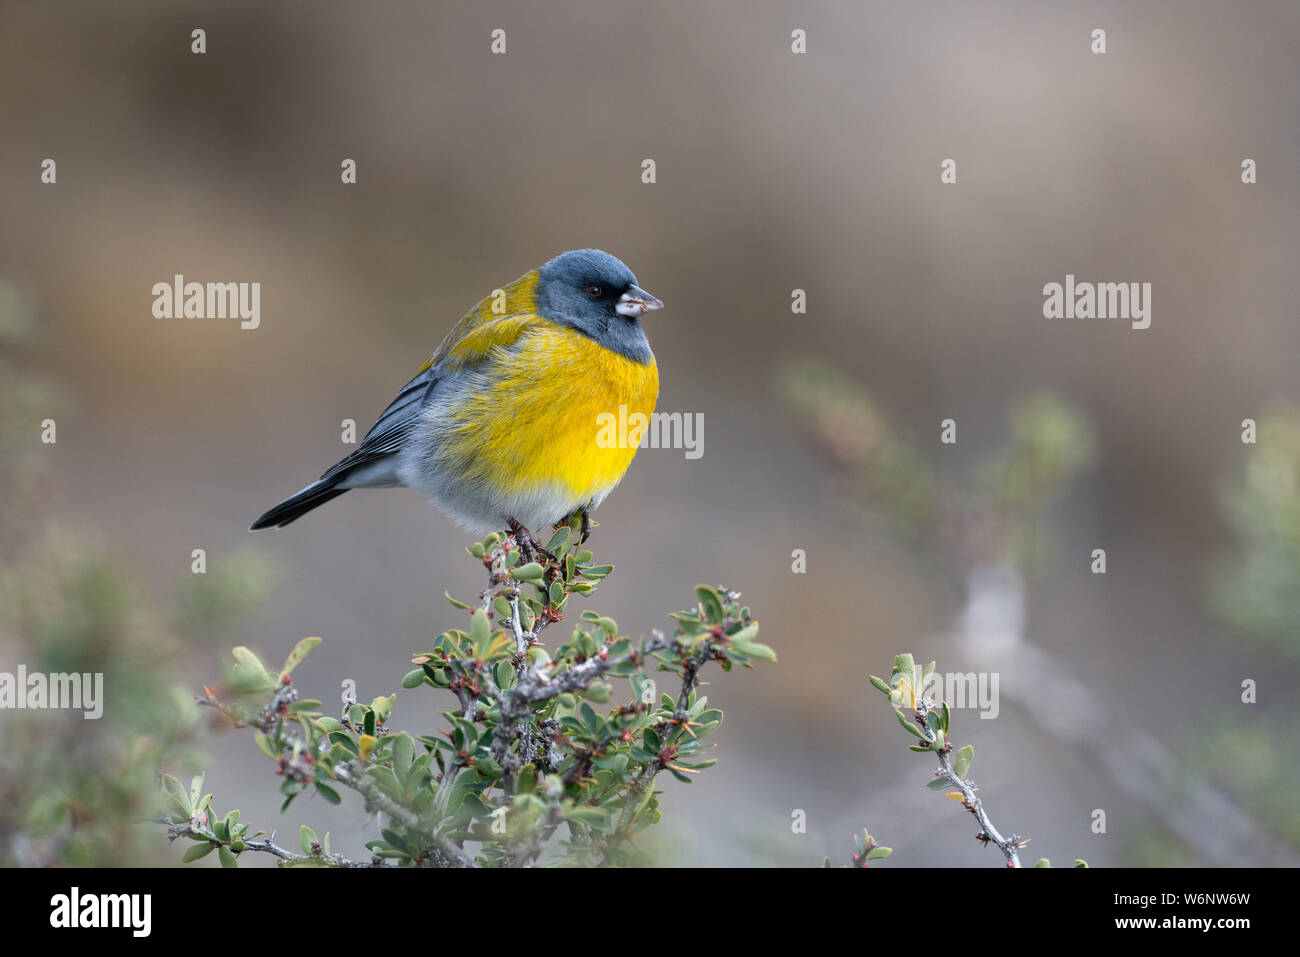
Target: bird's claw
[(529, 546)]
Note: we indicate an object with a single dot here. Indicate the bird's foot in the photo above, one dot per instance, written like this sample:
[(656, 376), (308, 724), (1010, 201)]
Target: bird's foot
[(584, 531), (528, 545)]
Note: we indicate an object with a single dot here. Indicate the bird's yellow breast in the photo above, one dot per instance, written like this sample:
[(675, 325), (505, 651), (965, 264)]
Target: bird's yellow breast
[(553, 410)]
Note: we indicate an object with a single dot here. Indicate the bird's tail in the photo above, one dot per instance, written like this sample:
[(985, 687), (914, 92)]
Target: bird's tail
[(316, 494)]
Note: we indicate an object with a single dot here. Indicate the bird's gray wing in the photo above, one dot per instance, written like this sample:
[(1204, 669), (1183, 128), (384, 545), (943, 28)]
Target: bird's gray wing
[(388, 434)]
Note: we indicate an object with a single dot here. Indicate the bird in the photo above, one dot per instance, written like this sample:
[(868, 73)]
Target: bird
[(499, 428)]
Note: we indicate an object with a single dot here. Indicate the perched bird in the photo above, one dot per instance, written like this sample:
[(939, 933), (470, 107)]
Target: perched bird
[(500, 427)]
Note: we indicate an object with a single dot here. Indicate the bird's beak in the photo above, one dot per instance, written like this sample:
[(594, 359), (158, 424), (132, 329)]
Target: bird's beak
[(635, 302)]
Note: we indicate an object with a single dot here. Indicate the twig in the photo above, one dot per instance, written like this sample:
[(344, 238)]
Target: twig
[(446, 852), (690, 675), (970, 801), (268, 846), (285, 695)]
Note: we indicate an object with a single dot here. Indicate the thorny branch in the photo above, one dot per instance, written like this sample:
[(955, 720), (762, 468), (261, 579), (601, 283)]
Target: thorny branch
[(263, 720), (533, 687), (1009, 846), (523, 733), (317, 858), (444, 851), (690, 676)]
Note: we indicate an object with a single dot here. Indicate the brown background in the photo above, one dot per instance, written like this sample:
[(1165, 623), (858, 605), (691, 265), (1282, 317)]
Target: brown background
[(775, 171)]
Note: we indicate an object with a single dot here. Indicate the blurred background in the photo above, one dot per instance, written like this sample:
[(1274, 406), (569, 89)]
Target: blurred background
[(775, 171)]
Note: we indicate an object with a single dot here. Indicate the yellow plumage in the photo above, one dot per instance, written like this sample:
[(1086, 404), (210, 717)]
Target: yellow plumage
[(541, 421)]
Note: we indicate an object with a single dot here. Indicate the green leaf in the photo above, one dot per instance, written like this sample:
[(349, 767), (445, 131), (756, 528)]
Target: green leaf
[(559, 539), (480, 632), (461, 788), (904, 680), (532, 572), (1042, 862), (589, 718), (879, 853), (403, 749), (300, 651), (505, 674), (962, 761), (908, 725), (710, 603), (905, 665), (252, 665), (754, 649), (306, 836), (487, 767), (173, 786), (264, 745), (413, 679), (328, 793), (387, 781), (880, 684), (227, 856), (197, 851), (597, 817)]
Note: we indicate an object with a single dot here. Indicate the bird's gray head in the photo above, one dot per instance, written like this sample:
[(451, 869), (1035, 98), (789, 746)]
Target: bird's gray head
[(596, 294)]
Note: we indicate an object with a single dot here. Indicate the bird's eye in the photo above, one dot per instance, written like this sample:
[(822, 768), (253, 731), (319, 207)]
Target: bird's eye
[(595, 291)]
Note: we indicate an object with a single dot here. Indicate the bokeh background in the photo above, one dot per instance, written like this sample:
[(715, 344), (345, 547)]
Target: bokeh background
[(775, 171)]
